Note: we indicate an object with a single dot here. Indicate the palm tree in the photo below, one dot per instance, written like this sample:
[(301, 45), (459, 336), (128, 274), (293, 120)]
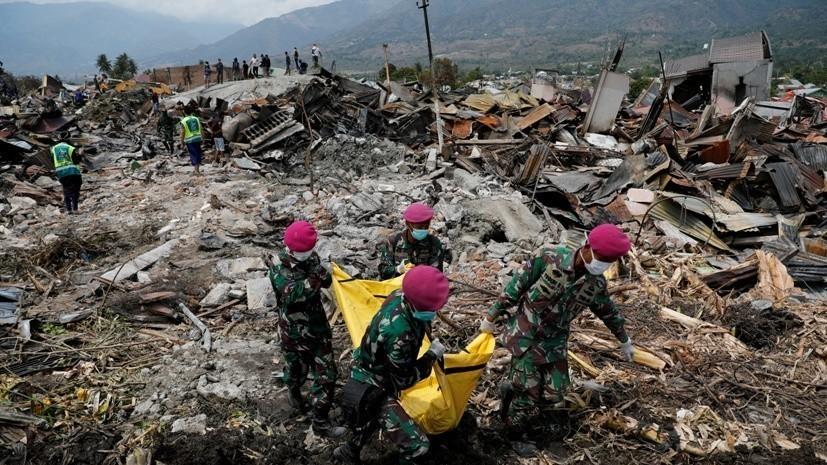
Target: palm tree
[(103, 64)]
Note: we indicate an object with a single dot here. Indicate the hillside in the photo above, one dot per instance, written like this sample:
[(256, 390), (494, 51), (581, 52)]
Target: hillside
[(554, 32), (65, 38)]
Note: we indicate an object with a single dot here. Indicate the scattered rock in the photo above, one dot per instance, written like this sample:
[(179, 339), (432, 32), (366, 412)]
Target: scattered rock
[(222, 389), (467, 181), (260, 294), (191, 425), (217, 295)]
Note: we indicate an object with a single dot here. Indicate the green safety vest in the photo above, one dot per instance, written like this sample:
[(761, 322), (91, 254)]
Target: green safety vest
[(62, 158), (192, 129)]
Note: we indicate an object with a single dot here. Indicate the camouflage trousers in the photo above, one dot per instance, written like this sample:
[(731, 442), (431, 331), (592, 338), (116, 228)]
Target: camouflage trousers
[(316, 359), (397, 426), (536, 385)]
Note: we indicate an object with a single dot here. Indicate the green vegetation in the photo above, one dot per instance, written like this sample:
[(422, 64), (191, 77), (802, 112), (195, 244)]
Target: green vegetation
[(125, 67), (103, 64)]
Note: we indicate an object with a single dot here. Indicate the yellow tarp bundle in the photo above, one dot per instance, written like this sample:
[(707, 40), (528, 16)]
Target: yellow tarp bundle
[(436, 403)]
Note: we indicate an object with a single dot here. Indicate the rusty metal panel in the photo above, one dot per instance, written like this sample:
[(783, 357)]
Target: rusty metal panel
[(462, 129), (783, 175)]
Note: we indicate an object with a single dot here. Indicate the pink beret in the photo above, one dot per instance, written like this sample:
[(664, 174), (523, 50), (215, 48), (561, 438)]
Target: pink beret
[(609, 241), (300, 236), (426, 288), (418, 213)]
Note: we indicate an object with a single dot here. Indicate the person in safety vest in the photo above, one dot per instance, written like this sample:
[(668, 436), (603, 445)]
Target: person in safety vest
[(386, 363), (306, 338), (415, 245), (65, 158), (191, 137), (552, 289)]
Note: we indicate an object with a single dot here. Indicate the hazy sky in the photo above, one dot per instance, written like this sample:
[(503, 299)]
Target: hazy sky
[(237, 11)]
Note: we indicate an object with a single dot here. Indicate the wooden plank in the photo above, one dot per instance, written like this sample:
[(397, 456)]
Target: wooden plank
[(157, 296), (132, 267), (535, 116), (490, 142)]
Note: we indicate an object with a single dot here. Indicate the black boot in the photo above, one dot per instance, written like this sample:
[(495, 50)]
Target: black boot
[(323, 427), (295, 399), (506, 397), (347, 454)]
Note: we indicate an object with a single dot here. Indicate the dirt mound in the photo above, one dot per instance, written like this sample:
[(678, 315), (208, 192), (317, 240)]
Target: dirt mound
[(760, 328)]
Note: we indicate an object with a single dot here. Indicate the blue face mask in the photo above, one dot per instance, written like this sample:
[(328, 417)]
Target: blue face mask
[(419, 234), (424, 316)]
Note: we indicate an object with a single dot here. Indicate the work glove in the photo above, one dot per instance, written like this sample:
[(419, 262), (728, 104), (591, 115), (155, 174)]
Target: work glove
[(402, 266), (437, 349), (487, 326), (628, 350)]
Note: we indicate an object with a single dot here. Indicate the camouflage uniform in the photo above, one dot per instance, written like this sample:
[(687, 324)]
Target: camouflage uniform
[(396, 248), (303, 328), (387, 360), (551, 295), (166, 129)]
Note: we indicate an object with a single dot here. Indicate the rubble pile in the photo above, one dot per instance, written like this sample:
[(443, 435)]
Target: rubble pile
[(149, 317)]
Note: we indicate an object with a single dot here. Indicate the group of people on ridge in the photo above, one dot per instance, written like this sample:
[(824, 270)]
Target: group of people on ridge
[(550, 291), (260, 65)]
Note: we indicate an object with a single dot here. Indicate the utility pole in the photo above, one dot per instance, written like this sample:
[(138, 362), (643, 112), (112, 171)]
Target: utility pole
[(387, 68), (424, 7)]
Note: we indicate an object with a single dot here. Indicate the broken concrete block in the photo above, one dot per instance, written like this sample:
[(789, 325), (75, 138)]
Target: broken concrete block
[(143, 277), (517, 221), (260, 294), (640, 195), (237, 294), (246, 164), (239, 267), (46, 182), (217, 295), (366, 202), (191, 425), (430, 163), (222, 389), (500, 249), (466, 181), (21, 204), (308, 196), (243, 228)]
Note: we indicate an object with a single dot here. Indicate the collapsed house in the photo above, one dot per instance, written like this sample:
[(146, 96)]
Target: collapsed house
[(734, 69)]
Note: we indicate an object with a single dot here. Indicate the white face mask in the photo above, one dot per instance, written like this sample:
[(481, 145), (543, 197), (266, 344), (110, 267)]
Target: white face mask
[(301, 256), (595, 267)]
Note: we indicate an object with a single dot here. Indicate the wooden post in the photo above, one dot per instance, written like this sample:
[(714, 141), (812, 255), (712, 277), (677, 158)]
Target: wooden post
[(387, 67)]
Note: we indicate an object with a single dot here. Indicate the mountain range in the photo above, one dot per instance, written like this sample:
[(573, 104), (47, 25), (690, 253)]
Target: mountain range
[(496, 34), (66, 38)]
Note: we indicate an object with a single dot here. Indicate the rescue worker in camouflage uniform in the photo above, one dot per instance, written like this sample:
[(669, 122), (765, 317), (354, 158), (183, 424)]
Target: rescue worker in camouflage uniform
[(386, 363), (552, 289), (415, 245), (303, 328), (166, 129)]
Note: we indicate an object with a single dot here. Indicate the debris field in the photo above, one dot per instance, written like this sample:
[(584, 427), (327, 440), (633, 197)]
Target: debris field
[(143, 330)]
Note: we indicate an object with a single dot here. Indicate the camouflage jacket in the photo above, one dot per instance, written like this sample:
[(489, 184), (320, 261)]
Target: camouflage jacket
[(551, 295), (166, 125), (396, 248), (387, 356), (302, 319)]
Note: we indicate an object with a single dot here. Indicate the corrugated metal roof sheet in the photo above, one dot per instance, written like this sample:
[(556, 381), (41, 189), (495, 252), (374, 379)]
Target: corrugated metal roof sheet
[(748, 47), (688, 223), (783, 176), (684, 66), (813, 155)]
